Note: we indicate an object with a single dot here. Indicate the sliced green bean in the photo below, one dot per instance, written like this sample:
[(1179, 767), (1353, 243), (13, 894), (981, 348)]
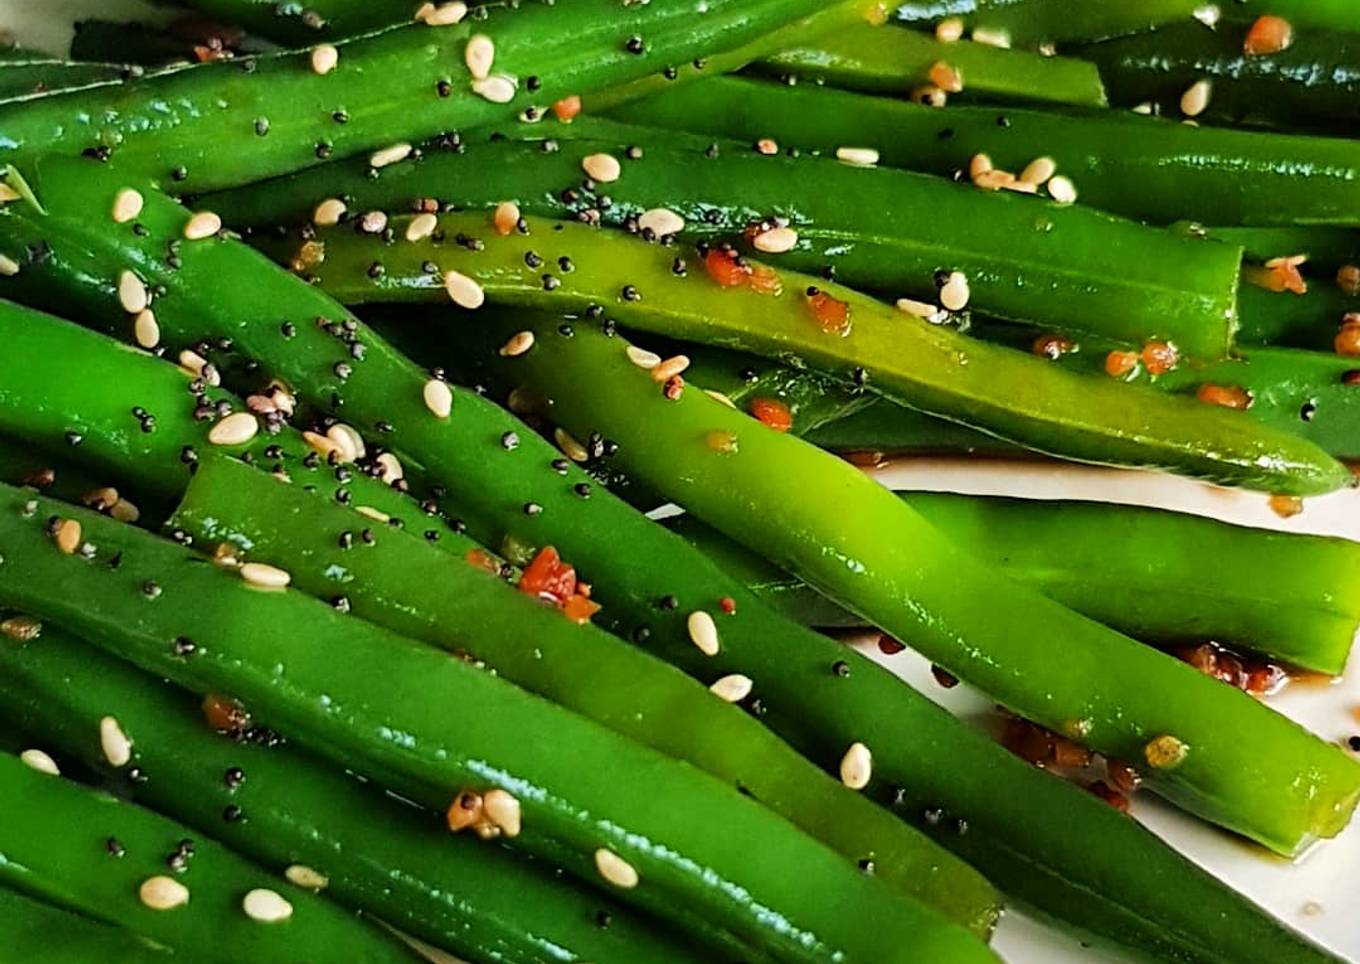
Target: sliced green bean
[(36, 931), (1032, 23)]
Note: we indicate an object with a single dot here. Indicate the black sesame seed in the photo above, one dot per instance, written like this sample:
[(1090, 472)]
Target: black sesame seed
[(231, 813), (443, 88), (262, 126), (582, 489), (234, 777), (184, 646), (630, 293), (151, 590), (841, 668), (340, 604), (114, 847), (667, 602), (1354, 743), (560, 466), (635, 45)]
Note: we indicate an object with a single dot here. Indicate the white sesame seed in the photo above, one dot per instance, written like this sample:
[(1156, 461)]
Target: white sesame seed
[(236, 429), (506, 218), (703, 632), (22, 629), (857, 156), (767, 146), (643, 358), (517, 344), (125, 511), (994, 180), (857, 766), (1020, 187), (733, 688), (114, 742), (720, 397), (350, 443), (127, 204), (919, 309), (479, 54), (443, 15), (502, 809), (264, 576), (661, 221), (41, 762), (438, 398), (1144, 108), (163, 893), (1196, 98), (304, 876), (775, 240), (145, 330), (281, 396), (132, 293), (498, 88), (421, 227), (322, 445), (992, 37), (1039, 171), (8, 266), (954, 294), (670, 368), (1062, 190), (949, 30), (615, 869), (377, 515), (266, 906), (324, 58), (202, 225), (1208, 14), (571, 448), (197, 366), (929, 95), (373, 222), (389, 468), (68, 536), (328, 213), (601, 167), (463, 291), (390, 155), (978, 166)]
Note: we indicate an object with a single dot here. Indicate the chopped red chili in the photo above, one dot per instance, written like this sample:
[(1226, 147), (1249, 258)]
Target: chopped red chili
[(1229, 396), (1268, 35), (773, 413), (483, 560), (224, 714), (1159, 357), (1110, 795), (548, 578), (567, 107), (1120, 363), (831, 313), (724, 267)]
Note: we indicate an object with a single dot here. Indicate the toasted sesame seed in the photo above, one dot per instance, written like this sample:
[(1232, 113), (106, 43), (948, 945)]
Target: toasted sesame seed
[(373, 222), (703, 632), (992, 37), (994, 180), (670, 368), (197, 367), (502, 809), (571, 448), (857, 156), (389, 468), (132, 293), (236, 429), (127, 204), (442, 15), (857, 766), (498, 88), (463, 291), (324, 58), (1020, 187), (1165, 752), (377, 515), (949, 30), (954, 293), (643, 358), (1039, 171), (41, 762), (145, 329), (720, 397), (8, 266), (615, 869), (390, 155), (163, 893), (767, 146), (348, 441), (775, 240), (304, 876), (67, 536), (21, 629), (506, 218), (114, 742), (323, 445), (978, 166), (661, 221), (1062, 190), (125, 511), (202, 225), (421, 227), (266, 906), (265, 576), (604, 168), (438, 397), (733, 688), (1195, 100), (517, 344), (328, 213), (479, 54)]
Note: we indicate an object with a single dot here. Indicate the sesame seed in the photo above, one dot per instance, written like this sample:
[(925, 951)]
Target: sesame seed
[(114, 742), (163, 893), (328, 213), (438, 398), (1039, 171), (236, 429), (506, 218), (8, 266), (1207, 14), (324, 58), (857, 766), (145, 329), (197, 367), (703, 632), (479, 54), (733, 688), (390, 155), (304, 876), (1062, 190), (498, 88), (954, 292), (919, 309), (127, 204), (322, 445), (202, 225), (125, 511), (994, 180), (929, 95), (615, 869), (463, 291), (373, 222), (946, 78), (442, 15), (67, 536), (643, 358), (266, 906), (604, 168), (1195, 100), (264, 576), (857, 156), (8, 194), (1165, 752), (421, 227), (518, 343), (40, 761), (132, 293), (21, 629), (502, 809), (348, 441), (775, 240), (390, 468), (375, 514), (949, 30), (571, 448), (670, 368), (661, 221), (992, 37)]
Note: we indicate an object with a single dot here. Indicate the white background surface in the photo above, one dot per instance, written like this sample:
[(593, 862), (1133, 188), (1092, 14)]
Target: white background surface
[(1321, 893)]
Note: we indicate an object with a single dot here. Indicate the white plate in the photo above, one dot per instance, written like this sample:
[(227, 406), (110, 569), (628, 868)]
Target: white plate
[(1317, 894)]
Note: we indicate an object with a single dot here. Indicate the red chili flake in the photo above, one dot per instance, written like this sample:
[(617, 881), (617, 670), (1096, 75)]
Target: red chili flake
[(1268, 35), (1031, 743), (1125, 778), (1110, 795), (548, 578), (889, 646), (1257, 677), (1159, 357), (567, 108), (726, 268), (673, 388), (1229, 396), (483, 560), (1279, 275), (1347, 340), (946, 77), (427, 205), (772, 413), (1052, 346), (583, 588), (580, 608), (1120, 363), (945, 678), (728, 605), (764, 280), (831, 313), (224, 714), (866, 458)]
